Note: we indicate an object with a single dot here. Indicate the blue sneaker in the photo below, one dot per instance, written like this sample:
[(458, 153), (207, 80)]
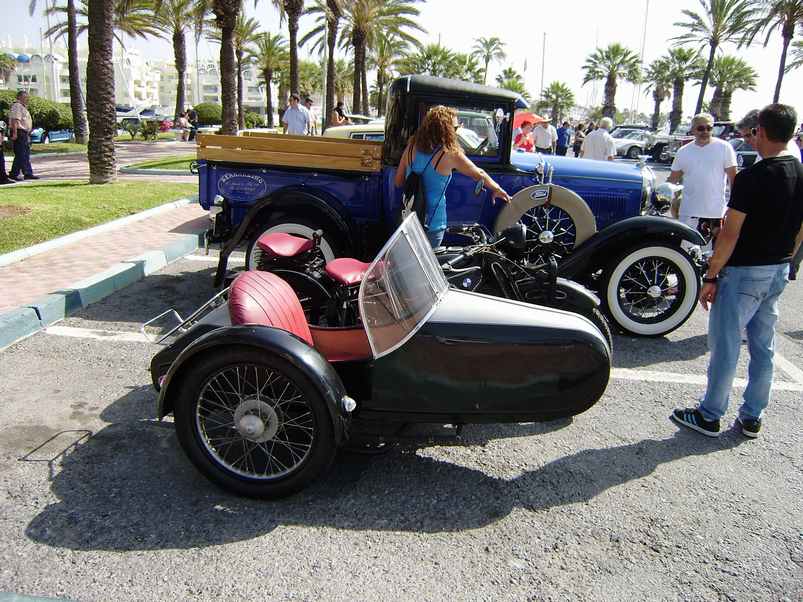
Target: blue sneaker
[(693, 419)]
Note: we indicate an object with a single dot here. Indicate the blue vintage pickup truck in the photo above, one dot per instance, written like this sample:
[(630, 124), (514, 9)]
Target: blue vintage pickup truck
[(257, 184)]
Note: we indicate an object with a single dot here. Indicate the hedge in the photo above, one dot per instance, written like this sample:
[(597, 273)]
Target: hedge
[(253, 120), (209, 113), (45, 113)]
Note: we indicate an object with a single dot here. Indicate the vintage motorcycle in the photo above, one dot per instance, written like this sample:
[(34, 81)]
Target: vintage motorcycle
[(493, 265)]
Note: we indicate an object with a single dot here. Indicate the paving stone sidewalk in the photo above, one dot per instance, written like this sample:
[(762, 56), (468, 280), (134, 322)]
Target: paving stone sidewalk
[(58, 269)]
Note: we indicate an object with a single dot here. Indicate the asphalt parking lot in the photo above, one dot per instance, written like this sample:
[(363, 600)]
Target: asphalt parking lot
[(616, 504)]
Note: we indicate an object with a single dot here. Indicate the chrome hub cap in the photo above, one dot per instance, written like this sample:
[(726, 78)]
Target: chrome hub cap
[(546, 237), (654, 291), (256, 421)]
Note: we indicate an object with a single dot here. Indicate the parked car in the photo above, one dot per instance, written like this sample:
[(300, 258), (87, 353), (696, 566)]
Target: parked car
[(620, 130), (43, 136), (746, 155), (359, 131), (346, 189), (632, 143), (262, 399)]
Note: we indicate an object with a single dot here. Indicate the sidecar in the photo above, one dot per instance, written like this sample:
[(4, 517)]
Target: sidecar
[(262, 400)]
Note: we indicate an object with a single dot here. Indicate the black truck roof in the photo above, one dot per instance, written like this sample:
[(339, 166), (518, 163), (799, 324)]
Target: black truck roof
[(456, 90)]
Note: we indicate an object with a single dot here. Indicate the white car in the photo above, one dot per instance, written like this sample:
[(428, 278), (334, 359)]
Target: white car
[(633, 143)]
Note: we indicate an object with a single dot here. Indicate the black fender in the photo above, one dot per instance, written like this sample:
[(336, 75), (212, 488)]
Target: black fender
[(273, 340), (290, 198), (597, 251), (574, 296)]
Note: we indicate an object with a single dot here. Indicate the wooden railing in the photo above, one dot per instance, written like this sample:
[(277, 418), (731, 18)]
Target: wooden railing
[(292, 151)]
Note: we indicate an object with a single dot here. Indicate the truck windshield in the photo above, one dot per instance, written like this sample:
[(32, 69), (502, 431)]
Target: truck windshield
[(401, 289)]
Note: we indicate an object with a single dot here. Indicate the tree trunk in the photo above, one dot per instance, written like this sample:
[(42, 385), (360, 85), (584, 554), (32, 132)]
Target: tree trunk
[(76, 98), (725, 106), (268, 76), (283, 95), (485, 73), (180, 54), (657, 97), (715, 106), (706, 76), (609, 108), (357, 40), (100, 92), (677, 104), (240, 113), (331, 42), (293, 8), (380, 82), (365, 109), (782, 66), (226, 12)]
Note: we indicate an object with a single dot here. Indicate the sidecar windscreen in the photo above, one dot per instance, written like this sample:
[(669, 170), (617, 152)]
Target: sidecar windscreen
[(401, 289)]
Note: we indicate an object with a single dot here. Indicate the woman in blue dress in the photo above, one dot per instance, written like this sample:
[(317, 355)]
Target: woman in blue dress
[(435, 152)]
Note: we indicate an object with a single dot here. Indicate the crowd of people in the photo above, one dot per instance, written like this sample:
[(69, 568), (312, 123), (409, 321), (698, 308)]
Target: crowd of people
[(588, 140)]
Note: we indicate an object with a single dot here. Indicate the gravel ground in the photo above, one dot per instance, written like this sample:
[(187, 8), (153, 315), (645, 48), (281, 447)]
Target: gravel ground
[(616, 504)]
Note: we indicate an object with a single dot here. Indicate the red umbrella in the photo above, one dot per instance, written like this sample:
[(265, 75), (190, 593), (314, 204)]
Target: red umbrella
[(523, 116)]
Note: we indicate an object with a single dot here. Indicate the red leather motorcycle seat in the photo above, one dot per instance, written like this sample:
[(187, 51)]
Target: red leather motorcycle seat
[(265, 299), (346, 270), (282, 244)]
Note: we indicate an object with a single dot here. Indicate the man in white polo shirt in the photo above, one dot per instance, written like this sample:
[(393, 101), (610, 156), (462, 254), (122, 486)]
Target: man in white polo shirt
[(599, 144), (705, 166), (296, 118), (545, 137)]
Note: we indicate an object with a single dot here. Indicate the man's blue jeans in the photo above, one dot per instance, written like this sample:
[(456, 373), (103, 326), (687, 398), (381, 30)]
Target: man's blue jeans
[(746, 297), (22, 155)]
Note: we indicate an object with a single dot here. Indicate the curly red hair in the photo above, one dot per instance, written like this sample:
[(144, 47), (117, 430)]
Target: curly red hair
[(437, 129)]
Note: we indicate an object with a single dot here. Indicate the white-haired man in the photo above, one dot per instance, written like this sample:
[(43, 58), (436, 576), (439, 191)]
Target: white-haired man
[(704, 165), (599, 143)]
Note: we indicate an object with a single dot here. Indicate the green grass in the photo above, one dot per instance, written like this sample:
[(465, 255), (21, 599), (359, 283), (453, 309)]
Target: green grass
[(177, 162), (56, 208), (57, 147)]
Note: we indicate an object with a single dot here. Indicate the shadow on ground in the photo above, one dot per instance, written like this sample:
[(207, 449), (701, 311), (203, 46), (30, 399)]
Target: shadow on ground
[(629, 352), (131, 488)]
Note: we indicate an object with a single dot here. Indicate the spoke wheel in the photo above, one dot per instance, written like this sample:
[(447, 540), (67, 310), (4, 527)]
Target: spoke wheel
[(550, 231), (253, 424), (651, 291)]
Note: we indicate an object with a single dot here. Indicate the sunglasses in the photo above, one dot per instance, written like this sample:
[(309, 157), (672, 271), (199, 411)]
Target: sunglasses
[(704, 128)]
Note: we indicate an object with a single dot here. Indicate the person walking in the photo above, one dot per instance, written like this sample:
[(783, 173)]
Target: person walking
[(705, 166), (192, 119), (579, 136), (544, 140), (312, 130), (598, 144), (4, 179), (295, 118), (20, 132), (749, 270), (434, 152), (563, 135)]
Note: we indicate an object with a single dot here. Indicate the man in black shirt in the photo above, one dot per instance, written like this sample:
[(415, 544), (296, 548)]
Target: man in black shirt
[(763, 228)]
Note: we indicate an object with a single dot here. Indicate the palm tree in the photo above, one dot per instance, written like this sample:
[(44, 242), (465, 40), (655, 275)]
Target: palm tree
[(777, 14), (510, 79), (226, 13), (310, 78), (612, 64), (719, 22), (76, 97), (432, 59), (132, 18), (558, 98), (729, 73), (488, 50), (100, 92), (465, 67), (325, 32), (659, 80), (383, 58), (269, 56), (365, 19), (684, 64), (245, 34), (7, 66), (174, 19), (797, 56), (344, 79)]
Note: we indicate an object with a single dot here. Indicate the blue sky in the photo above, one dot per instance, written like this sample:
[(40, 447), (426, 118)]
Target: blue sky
[(573, 28)]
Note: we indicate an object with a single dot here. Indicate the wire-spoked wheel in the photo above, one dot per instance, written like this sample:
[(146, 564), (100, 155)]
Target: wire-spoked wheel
[(550, 231), (252, 423), (651, 291)]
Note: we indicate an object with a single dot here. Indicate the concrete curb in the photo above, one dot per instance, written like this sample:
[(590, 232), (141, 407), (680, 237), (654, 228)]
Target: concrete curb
[(40, 313), (142, 171), (20, 254)]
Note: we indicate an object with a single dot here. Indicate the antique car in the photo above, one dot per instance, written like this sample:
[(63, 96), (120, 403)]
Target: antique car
[(262, 399), (632, 143)]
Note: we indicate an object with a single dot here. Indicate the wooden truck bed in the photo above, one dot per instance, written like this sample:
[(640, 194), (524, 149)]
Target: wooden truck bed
[(292, 151)]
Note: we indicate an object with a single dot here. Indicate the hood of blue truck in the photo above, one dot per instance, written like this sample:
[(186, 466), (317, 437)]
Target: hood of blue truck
[(570, 166)]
